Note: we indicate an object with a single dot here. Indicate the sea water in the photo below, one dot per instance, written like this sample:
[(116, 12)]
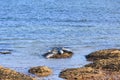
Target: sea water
[(29, 28)]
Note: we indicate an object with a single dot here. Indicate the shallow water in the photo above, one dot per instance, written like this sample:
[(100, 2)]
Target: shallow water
[(31, 27)]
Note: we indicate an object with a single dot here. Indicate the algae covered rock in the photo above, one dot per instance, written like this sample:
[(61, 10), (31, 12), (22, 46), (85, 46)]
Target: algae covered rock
[(8, 74), (104, 54), (40, 71), (111, 64), (80, 73), (105, 66)]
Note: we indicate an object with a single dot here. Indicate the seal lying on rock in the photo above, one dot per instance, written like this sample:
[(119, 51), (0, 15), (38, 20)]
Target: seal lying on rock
[(58, 52)]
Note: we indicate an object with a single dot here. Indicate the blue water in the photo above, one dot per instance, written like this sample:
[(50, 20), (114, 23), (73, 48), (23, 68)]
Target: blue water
[(31, 27)]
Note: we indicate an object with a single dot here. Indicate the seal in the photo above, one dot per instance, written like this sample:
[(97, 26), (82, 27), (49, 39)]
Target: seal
[(58, 52)]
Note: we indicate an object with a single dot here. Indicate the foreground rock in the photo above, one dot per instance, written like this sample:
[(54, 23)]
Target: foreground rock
[(58, 53), (88, 73), (111, 64), (85, 73), (105, 66), (104, 54), (8, 74), (41, 71)]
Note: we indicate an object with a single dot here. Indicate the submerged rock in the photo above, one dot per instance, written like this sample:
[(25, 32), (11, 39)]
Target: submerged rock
[(8, 74), (58, 53), (41, 71), (5, 51), (84, 73), (104, 54)]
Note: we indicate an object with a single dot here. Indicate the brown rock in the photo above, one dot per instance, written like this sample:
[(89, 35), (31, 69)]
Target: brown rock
[(104, 54), (84, 73), (8, 74), (111, 64), (105, 66), (41, 71)]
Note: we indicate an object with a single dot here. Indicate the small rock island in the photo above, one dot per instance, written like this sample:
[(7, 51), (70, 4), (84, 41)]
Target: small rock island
[(40, 71)]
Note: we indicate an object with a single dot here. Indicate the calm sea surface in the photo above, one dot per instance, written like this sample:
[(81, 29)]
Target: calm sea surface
[(31, 27)]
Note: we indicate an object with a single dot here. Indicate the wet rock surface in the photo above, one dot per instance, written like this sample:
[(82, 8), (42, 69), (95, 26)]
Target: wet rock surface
[(105, 66), (40, 71), (8, 74), (104, 54), (88, 73), (110, 64), (84, 73), (58, 53)]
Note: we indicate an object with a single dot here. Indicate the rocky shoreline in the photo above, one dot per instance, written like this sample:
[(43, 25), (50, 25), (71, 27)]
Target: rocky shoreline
[(105, 65)]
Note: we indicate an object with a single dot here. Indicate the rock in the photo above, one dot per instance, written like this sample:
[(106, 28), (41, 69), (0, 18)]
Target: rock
[(41, 71), (105, 66), (84, 73), (111, 64), (104, 54), (8, 74), (58, 53), (5, 51)]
